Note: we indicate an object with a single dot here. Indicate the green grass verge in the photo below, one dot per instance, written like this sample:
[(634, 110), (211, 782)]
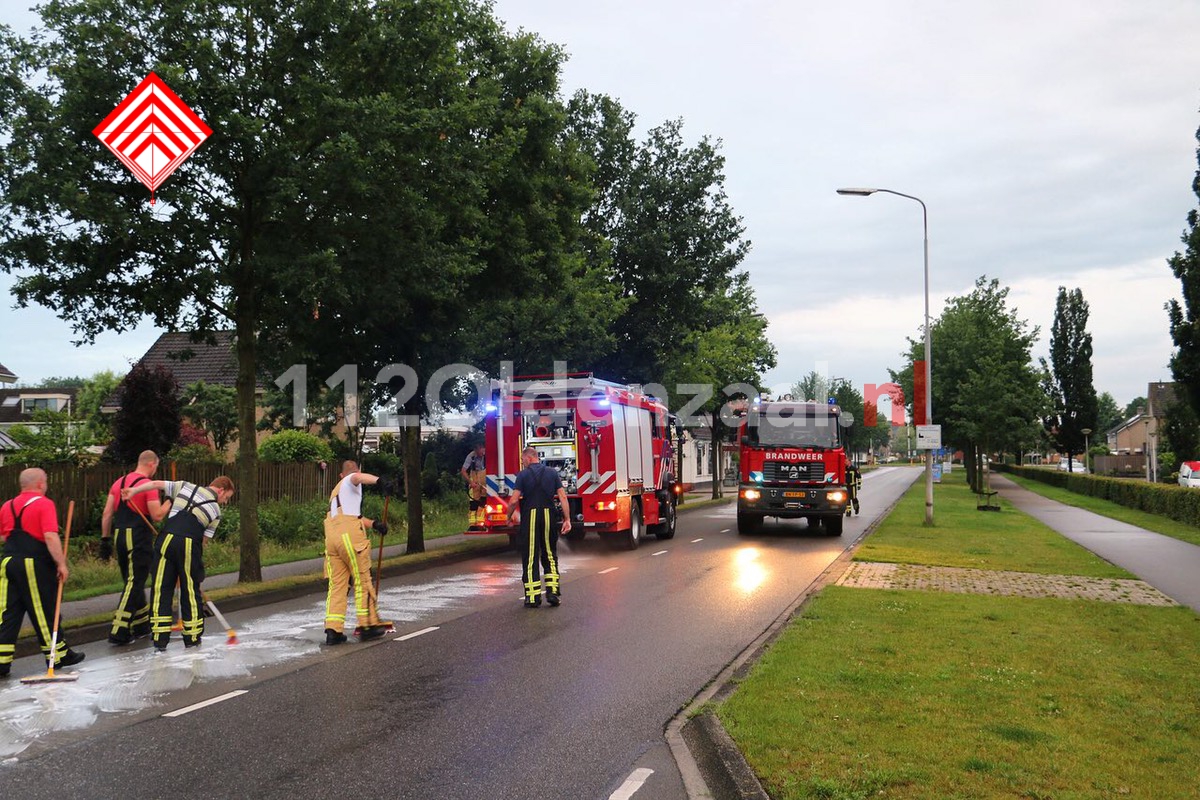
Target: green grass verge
[(1107, 508), (875, 693), (963, 536)]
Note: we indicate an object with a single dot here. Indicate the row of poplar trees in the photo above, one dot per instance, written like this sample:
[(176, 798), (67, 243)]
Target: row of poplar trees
[(388, 182)]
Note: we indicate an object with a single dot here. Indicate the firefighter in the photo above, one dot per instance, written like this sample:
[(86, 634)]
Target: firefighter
[(348, 557), (474, 472), (31, 567), (854, 485), (134, 547), (194, 516), (533, 496)]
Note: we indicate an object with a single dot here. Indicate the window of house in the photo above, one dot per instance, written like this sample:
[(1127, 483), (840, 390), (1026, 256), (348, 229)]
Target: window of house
[(31, 404)]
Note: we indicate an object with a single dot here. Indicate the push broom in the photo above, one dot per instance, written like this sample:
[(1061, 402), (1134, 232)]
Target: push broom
[(230, 634), (50, 677), (378, 567)]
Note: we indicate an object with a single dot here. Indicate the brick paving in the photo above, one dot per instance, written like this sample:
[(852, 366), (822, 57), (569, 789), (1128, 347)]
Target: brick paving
[(875, 575)]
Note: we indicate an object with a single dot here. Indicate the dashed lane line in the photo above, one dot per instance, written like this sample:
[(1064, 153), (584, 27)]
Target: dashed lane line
[(211, 701), (631, 784), (415, 634), (606, 571)]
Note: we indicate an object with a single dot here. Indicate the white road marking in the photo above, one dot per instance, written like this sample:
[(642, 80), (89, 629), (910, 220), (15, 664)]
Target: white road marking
[(726, 530), (606, 571), (631, 784), (701, 539), (659, 553), (415, 634), (213, 701)]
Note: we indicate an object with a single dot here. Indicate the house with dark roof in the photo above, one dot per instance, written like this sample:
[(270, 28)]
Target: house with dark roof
[(189, 361), (7, 375)]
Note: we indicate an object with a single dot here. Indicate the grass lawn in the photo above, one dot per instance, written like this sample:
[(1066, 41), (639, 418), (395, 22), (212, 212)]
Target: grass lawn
[(875, 693), (91, 576), (963, 536), (1107, 508)]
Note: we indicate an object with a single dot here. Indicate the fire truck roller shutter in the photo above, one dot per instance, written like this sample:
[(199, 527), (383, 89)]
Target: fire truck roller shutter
[(620, 454)]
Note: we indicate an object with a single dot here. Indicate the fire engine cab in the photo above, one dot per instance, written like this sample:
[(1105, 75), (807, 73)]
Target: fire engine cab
[(610, 444), (792, 465)]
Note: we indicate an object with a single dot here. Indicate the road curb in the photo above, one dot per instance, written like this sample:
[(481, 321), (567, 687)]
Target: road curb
[(296, 586), (712, 766)]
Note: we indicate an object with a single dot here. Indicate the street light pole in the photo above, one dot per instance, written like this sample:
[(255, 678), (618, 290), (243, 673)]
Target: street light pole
[(928, 350)]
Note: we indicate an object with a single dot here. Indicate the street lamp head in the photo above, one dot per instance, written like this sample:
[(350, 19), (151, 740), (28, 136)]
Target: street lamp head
[(858, 192)]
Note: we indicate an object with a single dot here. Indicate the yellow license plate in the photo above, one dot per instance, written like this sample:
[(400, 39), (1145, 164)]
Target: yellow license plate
[(795, 494)]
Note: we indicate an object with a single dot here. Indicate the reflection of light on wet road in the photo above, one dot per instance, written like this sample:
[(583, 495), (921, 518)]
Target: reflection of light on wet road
[(749, 574), (126, 681)]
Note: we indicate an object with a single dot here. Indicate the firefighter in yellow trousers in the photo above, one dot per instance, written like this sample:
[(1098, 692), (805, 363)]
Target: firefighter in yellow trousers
[(474, 472), (348, 558)]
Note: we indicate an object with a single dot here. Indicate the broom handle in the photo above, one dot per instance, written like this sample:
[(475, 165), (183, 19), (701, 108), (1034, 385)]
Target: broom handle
[(58, 599), (379, 561)]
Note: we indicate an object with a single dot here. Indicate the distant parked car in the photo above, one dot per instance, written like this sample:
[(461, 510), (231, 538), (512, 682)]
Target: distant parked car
[(1075, 466), (1189, 473)]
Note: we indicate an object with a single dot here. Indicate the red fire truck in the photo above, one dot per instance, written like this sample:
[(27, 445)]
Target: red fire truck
[(610, 444), (792, 465)]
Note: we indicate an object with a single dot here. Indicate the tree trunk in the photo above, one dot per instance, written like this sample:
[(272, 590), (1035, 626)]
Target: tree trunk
[(412, 480), (249, 564), (971, 465), (715, 428)]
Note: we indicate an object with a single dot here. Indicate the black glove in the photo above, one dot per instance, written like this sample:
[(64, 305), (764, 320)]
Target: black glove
[(380, 527), (389, 486), (106, 548)]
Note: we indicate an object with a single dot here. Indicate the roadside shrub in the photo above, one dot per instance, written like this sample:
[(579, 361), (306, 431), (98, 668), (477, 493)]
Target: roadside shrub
[(290, 523), (1179, 503), (194, 454), (294, 446)]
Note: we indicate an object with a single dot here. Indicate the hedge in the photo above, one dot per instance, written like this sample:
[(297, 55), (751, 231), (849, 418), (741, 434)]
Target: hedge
[(1179, 503)]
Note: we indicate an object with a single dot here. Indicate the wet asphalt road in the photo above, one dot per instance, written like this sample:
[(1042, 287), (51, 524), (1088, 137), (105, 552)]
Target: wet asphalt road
[(488, 700)]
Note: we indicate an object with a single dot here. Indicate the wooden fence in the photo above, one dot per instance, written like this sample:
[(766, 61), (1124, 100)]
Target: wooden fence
[(87, 486)]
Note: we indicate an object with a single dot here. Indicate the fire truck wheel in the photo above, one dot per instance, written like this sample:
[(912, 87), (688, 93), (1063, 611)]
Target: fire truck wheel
[(512, 542), (631, 538), (749, 523), (833, 525), (666, 528)]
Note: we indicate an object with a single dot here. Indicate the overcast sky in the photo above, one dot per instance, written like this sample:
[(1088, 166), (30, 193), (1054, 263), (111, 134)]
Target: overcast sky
[(1053, 142)]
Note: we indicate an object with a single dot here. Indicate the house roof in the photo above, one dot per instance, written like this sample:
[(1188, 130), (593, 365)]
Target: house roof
[(1159, 397), (7, 375), (190, 361), (11, 406)]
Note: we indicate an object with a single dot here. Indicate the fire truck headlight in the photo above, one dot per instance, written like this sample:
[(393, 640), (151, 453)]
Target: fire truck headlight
[(751, 494), (837, 496)]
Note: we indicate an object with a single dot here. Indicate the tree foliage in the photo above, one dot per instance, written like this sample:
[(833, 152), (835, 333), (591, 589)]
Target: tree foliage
[(50, 437), (148, 418), (1185, 318), (985, 389), (213, 409), (91, 398), (1108, 414), (1070, 386)]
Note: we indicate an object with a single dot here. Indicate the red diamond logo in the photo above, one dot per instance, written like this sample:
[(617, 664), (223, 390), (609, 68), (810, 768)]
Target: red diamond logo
[(152, 131)]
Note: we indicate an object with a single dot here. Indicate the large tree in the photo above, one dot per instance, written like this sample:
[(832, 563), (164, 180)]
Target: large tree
[(1070, 369), (979, 344), (1185, 317)]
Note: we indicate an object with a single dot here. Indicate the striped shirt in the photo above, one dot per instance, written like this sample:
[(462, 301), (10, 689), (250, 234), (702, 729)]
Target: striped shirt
[(207, 510)]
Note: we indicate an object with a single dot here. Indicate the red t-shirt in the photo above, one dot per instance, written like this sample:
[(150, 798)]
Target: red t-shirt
[(141, 501), (39, 517)]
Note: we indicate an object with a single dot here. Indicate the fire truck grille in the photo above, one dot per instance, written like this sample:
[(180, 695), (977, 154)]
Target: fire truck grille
[(807, 471)]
